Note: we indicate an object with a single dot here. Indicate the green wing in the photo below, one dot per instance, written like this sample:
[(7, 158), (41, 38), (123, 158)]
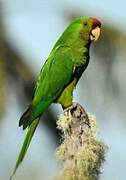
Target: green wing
[(55, 75)]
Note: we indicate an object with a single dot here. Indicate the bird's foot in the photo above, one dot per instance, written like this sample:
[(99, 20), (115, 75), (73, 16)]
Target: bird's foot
[(77, 111)]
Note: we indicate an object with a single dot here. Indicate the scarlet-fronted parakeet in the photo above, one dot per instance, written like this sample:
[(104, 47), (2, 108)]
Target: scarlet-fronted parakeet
[(60, 73)]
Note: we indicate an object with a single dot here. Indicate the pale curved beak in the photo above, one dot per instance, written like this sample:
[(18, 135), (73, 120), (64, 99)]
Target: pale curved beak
[(95, 33)]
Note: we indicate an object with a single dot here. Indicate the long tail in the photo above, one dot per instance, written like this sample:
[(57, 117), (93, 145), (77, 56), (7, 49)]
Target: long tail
[(27, 140)]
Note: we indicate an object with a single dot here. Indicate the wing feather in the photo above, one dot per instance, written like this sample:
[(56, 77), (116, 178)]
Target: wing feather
[(55, 75)]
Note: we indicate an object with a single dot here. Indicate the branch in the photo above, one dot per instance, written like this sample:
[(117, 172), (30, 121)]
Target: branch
[(80, 152)]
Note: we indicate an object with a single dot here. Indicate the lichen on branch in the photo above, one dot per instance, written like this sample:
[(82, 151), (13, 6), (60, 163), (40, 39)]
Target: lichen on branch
[(80, 152)]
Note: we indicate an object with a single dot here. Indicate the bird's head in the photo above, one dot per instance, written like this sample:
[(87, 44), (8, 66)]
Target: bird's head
[(90, 28), (83, 29)]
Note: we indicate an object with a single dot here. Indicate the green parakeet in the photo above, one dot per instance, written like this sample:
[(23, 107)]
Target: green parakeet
[(60, 74)]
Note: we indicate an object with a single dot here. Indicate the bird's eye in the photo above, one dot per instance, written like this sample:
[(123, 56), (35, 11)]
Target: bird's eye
[(85, 23)]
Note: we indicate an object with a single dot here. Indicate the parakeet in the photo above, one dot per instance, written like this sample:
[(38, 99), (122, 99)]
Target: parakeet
[(60, 74)]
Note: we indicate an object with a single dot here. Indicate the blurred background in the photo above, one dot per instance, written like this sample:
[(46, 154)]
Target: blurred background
[(28, 31)]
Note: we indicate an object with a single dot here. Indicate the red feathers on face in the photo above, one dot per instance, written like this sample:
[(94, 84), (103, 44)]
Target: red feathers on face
[(96, 23)]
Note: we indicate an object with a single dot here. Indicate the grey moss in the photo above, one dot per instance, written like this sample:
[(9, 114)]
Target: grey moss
[(80, 152)]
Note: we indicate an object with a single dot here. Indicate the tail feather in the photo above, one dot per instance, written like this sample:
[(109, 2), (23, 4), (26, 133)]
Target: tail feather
[(29, 135), (25, 118), (29, 119), (32, 113)]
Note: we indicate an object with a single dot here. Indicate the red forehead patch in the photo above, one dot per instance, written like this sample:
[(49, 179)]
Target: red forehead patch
[(96, 23)]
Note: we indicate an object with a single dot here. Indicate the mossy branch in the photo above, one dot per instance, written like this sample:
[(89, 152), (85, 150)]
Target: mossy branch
[(81, 153)]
